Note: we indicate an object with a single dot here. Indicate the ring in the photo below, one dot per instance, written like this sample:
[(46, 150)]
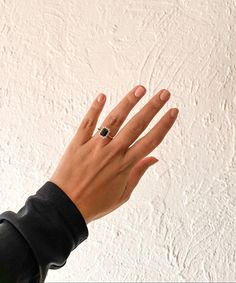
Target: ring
[(104, 132)]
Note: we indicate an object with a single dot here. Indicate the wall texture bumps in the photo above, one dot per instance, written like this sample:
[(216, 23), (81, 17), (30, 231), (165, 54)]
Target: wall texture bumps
[(56, 56)]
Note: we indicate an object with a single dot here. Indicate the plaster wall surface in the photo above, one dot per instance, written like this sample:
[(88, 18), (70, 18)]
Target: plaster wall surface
[(56, 56)]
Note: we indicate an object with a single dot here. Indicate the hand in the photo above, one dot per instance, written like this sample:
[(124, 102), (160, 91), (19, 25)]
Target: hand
[(99, 174)]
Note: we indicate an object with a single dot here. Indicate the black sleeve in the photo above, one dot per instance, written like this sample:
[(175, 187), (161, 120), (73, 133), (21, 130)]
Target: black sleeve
[(40, 236)]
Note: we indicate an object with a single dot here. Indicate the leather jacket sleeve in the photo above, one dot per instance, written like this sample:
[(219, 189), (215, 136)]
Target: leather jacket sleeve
[(40, 236)]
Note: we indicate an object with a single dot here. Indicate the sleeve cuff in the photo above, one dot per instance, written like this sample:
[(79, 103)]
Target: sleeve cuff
[(51, 224), (67, 209)]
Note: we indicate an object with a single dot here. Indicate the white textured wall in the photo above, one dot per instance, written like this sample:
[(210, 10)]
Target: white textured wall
[(56, 56)]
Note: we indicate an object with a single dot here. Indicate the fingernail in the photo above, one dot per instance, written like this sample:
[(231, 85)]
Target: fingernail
[(101, 97), (174, 112), (165, 94), (140, 91)]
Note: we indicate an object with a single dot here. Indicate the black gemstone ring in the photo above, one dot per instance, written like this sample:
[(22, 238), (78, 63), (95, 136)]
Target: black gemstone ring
[(104, 132)]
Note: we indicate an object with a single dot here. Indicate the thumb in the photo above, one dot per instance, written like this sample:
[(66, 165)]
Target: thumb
[(137, 172)]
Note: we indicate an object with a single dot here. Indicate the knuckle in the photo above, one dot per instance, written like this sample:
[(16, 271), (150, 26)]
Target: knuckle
[(153, 143), (130, 99), (87, 123), (149, 143), (115, 120), (138, 126), (154, 105)]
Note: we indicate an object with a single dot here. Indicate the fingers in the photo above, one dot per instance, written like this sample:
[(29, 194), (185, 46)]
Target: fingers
[(88, 124), (141, 120), (153, 138), (118, 114), (135, 175)]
